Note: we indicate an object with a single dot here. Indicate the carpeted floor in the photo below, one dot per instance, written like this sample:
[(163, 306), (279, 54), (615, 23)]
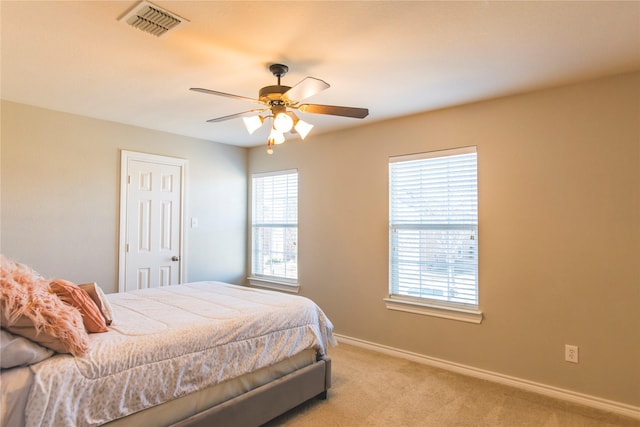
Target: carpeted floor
[(373, 389)]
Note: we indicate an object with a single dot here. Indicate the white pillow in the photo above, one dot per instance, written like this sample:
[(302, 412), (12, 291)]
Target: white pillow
[(19, 351), (97, 295)]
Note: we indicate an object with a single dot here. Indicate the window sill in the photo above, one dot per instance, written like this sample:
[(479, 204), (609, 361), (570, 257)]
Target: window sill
[(426, 309), (274, 285)]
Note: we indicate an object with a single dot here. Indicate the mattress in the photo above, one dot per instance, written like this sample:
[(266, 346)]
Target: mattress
[(166, 343)]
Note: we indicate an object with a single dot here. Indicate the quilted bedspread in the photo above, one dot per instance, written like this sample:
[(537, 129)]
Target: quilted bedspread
[(167, 342)]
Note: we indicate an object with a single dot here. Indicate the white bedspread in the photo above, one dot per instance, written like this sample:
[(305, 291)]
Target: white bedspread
[(168, 342)]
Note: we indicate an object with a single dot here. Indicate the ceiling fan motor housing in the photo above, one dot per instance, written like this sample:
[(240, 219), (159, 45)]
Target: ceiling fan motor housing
[(272, 95), (269, 94)]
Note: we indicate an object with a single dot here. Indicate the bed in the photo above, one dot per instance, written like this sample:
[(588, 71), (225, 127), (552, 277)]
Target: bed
[(202, 353)]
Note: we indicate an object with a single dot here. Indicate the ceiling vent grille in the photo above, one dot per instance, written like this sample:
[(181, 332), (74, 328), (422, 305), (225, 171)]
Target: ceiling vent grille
[(152, 19)]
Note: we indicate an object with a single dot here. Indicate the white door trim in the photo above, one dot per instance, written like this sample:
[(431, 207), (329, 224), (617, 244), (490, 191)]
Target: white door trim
[(125, 157)]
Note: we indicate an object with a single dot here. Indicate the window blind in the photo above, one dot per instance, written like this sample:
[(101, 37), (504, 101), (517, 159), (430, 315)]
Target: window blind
[(433, 226), (275, 225)]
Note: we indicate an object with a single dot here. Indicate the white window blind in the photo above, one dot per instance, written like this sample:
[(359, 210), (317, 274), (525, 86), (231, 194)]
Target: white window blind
[(275, 225), (433, 227)]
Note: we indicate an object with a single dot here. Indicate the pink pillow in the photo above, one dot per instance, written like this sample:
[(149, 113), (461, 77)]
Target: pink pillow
[(76, 297), (28, 309)]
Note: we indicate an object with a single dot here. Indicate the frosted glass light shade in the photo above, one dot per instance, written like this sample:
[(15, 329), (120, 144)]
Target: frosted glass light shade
[(276, 136), (283, 122), (253, 123), (303, 128)]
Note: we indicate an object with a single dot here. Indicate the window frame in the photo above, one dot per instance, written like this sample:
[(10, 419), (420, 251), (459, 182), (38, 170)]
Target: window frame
[(280, 283), (437, 307)]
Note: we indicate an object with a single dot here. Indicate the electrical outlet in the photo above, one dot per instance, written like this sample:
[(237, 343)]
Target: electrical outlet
[(571, 353)]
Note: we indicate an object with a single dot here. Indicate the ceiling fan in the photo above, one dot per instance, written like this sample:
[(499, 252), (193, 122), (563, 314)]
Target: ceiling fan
[(277, 102)]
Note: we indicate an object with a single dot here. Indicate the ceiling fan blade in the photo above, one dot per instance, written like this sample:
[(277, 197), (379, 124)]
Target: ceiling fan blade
[(306, 88), (235, 116), (228, 95), (356, 113)]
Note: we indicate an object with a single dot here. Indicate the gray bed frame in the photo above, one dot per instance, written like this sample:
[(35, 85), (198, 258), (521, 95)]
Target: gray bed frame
[(266, 402)]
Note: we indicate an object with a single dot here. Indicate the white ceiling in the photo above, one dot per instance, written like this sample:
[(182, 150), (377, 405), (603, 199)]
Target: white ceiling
[(395, 58)]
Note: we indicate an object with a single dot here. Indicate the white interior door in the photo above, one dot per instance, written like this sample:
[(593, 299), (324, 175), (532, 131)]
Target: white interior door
[(151, 248)]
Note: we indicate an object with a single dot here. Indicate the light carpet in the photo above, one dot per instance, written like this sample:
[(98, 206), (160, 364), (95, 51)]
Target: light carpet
[(374, 389)]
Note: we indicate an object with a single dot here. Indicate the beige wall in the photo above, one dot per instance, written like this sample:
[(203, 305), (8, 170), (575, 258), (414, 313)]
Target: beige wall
[(559, 233), (559, 182), (60, 195)]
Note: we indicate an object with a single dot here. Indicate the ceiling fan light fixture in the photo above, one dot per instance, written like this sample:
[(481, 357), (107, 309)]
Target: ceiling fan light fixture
[(280, 100), (253, 123), (303, 128), (283, 122)]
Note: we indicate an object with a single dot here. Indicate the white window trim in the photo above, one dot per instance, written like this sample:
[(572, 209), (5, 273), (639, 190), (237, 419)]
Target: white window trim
[(425, 306), (273, 173), (269, 282), (394, 302), (433, 154), (272, 284)]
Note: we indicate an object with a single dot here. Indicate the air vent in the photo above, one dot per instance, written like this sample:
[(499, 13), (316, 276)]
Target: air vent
[(152, 19)]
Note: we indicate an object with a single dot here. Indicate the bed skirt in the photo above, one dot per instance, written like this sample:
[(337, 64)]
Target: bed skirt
[(266, 402)]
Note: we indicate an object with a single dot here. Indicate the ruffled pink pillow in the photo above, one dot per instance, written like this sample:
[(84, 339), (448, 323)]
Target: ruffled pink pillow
[(30, 310), (77, 297)]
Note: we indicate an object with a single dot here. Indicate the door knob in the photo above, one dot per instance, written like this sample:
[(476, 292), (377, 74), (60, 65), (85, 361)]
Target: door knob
[(175, 258)]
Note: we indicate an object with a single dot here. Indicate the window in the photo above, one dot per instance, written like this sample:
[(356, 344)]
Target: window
[(433, 232), (274, 223)]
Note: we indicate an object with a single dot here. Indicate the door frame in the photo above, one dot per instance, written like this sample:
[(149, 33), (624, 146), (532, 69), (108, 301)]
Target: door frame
[(125, 157)]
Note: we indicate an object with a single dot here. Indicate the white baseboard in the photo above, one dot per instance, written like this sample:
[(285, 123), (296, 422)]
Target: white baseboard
[(547, 390)]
